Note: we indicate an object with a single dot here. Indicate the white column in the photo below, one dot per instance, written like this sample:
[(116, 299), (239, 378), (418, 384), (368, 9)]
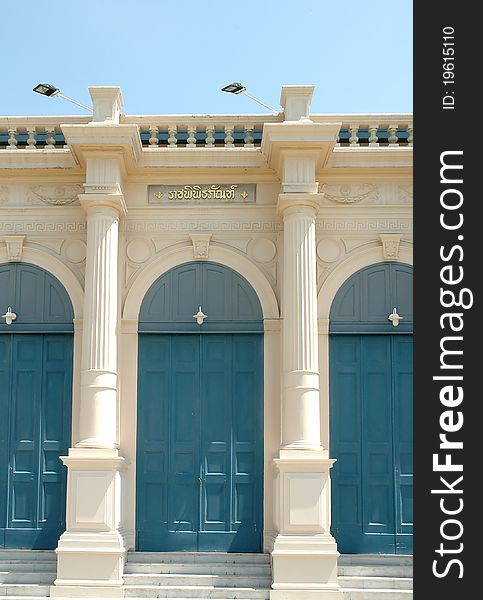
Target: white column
[(98, 406), (304, 556), (300, 412), (91, 552)]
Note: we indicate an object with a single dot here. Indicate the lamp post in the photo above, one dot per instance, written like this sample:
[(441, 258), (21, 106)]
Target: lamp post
[(49, 90), (238, 88)]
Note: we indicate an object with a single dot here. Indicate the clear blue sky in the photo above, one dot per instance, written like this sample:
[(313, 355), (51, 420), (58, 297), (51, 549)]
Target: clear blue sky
[(173, 56)]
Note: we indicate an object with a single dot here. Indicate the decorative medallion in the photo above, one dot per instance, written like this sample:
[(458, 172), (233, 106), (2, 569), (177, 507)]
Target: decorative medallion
[(328, 250), (75, 251), (138, 250), (262, 250)]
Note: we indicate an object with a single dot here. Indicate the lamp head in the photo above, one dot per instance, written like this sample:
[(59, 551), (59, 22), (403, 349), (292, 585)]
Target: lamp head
[(234, 88), (46, 89)]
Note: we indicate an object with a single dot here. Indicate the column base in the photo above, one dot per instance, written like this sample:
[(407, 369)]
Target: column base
[(89, 565), (91, 553), (305, 566)]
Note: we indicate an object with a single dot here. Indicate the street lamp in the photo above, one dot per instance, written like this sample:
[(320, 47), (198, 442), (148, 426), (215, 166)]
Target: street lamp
[(49, 90), (238, 88)]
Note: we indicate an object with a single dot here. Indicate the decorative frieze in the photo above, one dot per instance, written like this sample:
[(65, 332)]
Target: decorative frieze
[(13, 227), (55, 195), (350, 194), (405, 193), (14, 247), (364, 225), (163, 226)]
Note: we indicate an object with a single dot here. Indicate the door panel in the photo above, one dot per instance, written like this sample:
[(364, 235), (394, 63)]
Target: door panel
[(371, 438), (35, 399), (199, 442), (403, 440)]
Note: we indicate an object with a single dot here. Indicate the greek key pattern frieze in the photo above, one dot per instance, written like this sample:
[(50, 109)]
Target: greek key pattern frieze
[(39, 227), (210, 226), (352, 225)]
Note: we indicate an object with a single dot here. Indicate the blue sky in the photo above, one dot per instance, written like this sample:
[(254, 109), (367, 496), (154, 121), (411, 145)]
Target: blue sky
[(173, 56)]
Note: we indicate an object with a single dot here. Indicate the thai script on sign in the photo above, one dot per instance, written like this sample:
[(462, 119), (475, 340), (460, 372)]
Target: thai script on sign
[(164, 194)]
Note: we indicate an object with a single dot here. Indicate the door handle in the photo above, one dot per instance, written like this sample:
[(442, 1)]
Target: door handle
[(200, 481)]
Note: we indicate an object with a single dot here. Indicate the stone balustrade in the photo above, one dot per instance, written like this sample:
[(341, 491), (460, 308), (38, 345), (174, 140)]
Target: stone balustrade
[(373, 131), (200, 131), (208, 131), (32, 133)]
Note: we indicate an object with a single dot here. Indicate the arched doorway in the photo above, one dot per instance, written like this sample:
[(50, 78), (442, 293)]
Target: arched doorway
[(35, 406), (371, 411), (200, 408)]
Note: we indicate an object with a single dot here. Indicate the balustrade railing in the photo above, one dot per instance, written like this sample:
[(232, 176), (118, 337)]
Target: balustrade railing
[(31, 133), (372, 131), (209, 131), (200, 131)]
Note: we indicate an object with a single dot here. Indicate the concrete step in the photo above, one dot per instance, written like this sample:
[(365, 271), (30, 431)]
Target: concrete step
[(27, 555), (213, 558), (204, 592), (391, 583), (21, 577), (375, 571), (376, 559), (24, 590), (207, 580), (376, 594), (249, 570), (21, 566)]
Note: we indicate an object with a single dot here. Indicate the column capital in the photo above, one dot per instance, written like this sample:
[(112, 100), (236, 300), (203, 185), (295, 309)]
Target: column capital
[(299, 201), (115, 201)]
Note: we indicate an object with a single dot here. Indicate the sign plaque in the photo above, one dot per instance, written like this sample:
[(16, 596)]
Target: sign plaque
[(222, 193)]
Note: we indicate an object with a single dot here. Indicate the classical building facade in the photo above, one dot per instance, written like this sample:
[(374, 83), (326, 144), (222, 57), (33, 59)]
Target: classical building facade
[(206, 339)]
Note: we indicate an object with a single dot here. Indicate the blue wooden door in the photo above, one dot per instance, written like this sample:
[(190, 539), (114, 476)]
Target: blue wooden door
[(371, 413), (36, 380), (199, 456), (35, 407)]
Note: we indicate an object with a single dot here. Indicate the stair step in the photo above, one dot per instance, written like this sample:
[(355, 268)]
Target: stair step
[(213, 558), (12, 589), (376, 594), (20, 577), (19, 566), (376, 559), (204, 592), (392, 583), (172, 579), (249, 570), (27, 555), (375, 571)]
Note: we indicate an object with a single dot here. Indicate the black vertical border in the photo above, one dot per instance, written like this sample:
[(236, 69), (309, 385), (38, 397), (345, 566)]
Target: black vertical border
[(438, 130)]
